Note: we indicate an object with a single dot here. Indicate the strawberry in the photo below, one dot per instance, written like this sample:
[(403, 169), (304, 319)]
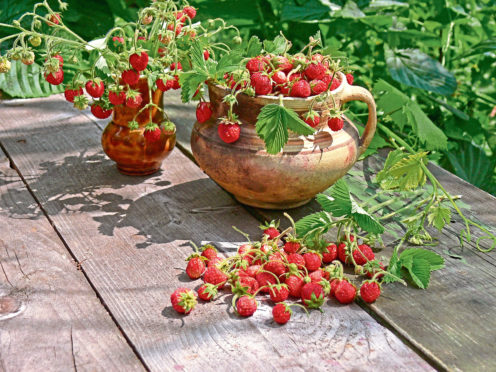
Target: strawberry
[(330, 253), (278, 292), (371, 268), (297, 259), (370, 291), (203, 112), (345, 292), (281, 313), (334, 285), (276, 267), (316, 276), (195, 267), (315, 71), (207, 292), (342, 253), (312, 295), (214, 261), (253, 270), (118, 40), (250, 284), (206, 54), (134, 102), (130, 77), (147, 19), (317, 57), (363, 254), (139, 61), (95, 88), (335, 123), (335, 84), (176, 66), (183, 300), (99, 112), (312, 261), (295, 77), (164, 87), (291, 246), (229, 132), (282, 63), (246, 306), (349, 78), (175, 82), (117, 98), (209, 252), (312, 118), (317, 87), (70, 94), (215, 276), (152, 135), (54, 19), (261, 83), (189, 11), (264, 279), (256, 64), (55, 78), (271, 229), (295, 284), (279, 77), (178, 30), (301, 89)]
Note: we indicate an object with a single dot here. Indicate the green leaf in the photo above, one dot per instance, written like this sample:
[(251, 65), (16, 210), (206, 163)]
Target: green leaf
[(416, 69), (403, 172), (428, 132), (311, 10), (254, 47), (27, 82), (196, 55), (229, 62), (439, 217), (312, 222), (278, 46), (339, 201), (273, 123), (189, 83), (436, 262), (351, 10), (365, 220), (419, 270)]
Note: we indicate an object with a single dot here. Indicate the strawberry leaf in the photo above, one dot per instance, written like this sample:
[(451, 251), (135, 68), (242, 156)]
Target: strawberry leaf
[(254, 47), (435, 261), (229, 62), (338, 202), (439, 217), (315, 222), (403, 172), (419, 271), (365, 220), (189, 83), (278, 46)]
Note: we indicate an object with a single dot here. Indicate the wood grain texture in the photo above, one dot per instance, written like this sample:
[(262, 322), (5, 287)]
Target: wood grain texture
[(131, 234), (61, 324)]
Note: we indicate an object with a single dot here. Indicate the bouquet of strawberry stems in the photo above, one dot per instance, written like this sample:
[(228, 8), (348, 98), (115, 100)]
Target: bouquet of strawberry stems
[(153, 49)]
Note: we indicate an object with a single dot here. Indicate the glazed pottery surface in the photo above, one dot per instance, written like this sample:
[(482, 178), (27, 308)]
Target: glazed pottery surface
[(128, 148), (306, 166)]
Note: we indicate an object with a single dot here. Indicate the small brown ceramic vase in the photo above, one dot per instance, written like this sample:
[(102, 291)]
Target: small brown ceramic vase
[(134, 155), (305, 167)]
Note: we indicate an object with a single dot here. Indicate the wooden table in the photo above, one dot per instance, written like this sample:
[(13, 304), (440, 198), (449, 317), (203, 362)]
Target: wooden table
[(89, 258)]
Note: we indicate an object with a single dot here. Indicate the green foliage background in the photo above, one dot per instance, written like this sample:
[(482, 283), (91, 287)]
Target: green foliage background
[(431, 64)]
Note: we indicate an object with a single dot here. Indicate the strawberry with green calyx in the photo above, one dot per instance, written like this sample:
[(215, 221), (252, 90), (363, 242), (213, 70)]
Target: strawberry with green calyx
[(335, 121), (196, 266), (139, 59), (35, 41), (245, 306), (278, 292), (81, 102), (271, 229), (242, 285), (312, 295), (116, 97), (27, 57), (374, 268), (345, 292), (95, 87), (297, 260), (133, 98), (344, 254), (229, 130), (183, 300), (330, 253), (55, 78), (215, 276), (130, 77), (281, 313), (312, 118), (313, 260), (72, 91), (99, 110), (362, 254), (265, 279), (370, 291), (168, 127), (203, 111), (292, 243), (152, 132), (207, 292), (209, 251), (295, 283)]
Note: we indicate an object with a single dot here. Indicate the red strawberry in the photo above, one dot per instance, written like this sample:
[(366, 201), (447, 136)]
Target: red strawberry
[(291, 247), (246, 306), (54, 19), (256, 64), (209, 252), (295, 77), (349, 78), (371, 272), (261, 83), (297, 259), (342, 253), (250, 283), (176, 66), (215, 276), (214, 261), (265, 279), (315, 71), (99, 112), (164, 87), (279, 77), (253, 270), (370, 291), (312, 261), (139, 61), (301, 89), (130, 77), (312, 118), (203, 112), (271, 229), (190, 11), (317, 57), (278, 292), (117, 98), (345, 292), (316, 276), (175, 82), (335, 84), (207, 291), (283, 64), (317, 87), (229, 132), (71, 93), (312, 295), (363, 254), (334, 285), (95, 88), (335, 124), (281, 313), (195, 267), (178, 30), (152, 135), (183, 300), (295, 284), (55, 78), (276, 267), (118, 40), (206, 54), (134, 102), (330, 254)]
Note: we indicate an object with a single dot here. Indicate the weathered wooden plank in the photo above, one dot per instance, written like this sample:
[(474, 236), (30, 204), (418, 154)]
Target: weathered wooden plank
[(56, 321), (435, 321), (131, 234)]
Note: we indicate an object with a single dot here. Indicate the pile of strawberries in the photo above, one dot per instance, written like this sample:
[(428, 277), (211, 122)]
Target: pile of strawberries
[(282, 268)]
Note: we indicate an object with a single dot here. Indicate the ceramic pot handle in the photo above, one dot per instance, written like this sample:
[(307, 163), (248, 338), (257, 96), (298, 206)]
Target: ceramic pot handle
[(357, 93)]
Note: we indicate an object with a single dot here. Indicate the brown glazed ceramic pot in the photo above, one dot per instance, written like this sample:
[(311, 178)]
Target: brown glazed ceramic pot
[(305, 167), (128, 148)]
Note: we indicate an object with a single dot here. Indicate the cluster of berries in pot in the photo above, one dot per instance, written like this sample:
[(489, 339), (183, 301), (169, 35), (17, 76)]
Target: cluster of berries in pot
[(280, 270)]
